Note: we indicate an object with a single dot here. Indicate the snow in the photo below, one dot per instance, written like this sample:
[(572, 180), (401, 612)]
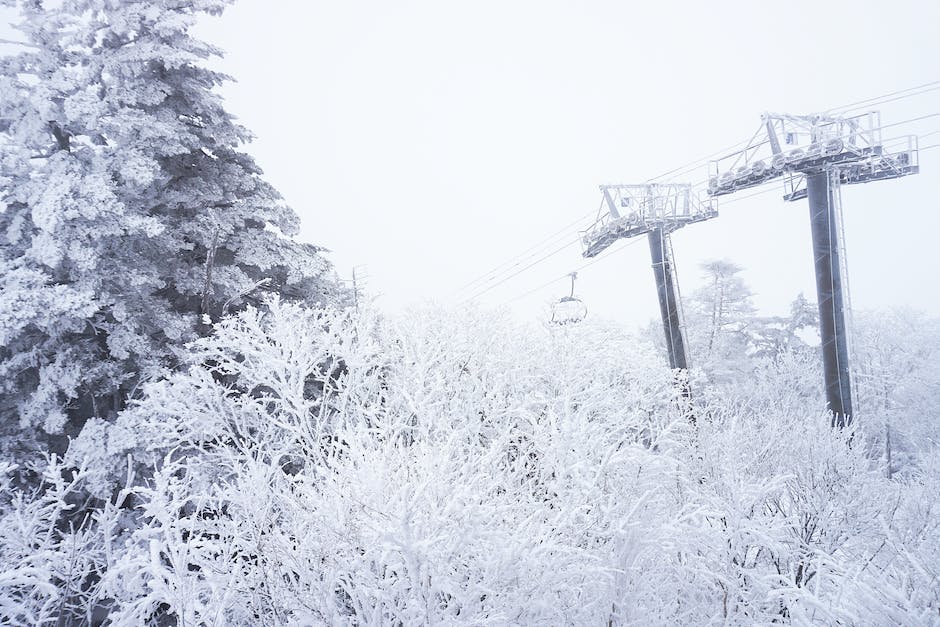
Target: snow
[(197, 428), (440, 467)]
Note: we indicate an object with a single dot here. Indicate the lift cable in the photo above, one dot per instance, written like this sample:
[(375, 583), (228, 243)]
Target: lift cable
[(694, 165), (532, 251), (889, 97), (917, 119), (512, 263), (521, 270), (612, 251)]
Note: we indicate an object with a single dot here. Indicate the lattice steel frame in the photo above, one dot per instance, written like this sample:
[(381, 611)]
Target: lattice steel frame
[(631, 210)]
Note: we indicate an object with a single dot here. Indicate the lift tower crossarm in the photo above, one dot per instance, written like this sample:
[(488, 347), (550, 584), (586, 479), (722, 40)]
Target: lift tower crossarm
[(630, 210), (812, 143)]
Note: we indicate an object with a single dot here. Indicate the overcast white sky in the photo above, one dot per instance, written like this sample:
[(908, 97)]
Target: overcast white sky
[(429, 141)]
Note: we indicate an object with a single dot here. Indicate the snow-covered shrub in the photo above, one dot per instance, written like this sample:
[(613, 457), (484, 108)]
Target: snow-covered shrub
[(798, 523), (326, 467), (54, 548), (313, 466)]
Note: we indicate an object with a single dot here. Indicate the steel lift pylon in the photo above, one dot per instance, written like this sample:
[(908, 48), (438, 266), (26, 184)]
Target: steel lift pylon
[(654, 210), (815, 155)]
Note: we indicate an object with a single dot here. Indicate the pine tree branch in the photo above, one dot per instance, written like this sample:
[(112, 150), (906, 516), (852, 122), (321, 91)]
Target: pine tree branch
[(19, 43), (251, 289)]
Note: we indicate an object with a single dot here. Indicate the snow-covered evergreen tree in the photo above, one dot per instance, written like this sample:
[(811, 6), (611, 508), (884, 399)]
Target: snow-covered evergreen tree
[(726, 302), (773, 336), (129, 218)]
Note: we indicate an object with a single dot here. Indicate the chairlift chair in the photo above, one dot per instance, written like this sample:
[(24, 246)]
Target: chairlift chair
[(569, 309)]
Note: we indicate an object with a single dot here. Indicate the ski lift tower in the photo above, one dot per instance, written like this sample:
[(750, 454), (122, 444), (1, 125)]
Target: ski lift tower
[(654, 210), (815, 155)]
